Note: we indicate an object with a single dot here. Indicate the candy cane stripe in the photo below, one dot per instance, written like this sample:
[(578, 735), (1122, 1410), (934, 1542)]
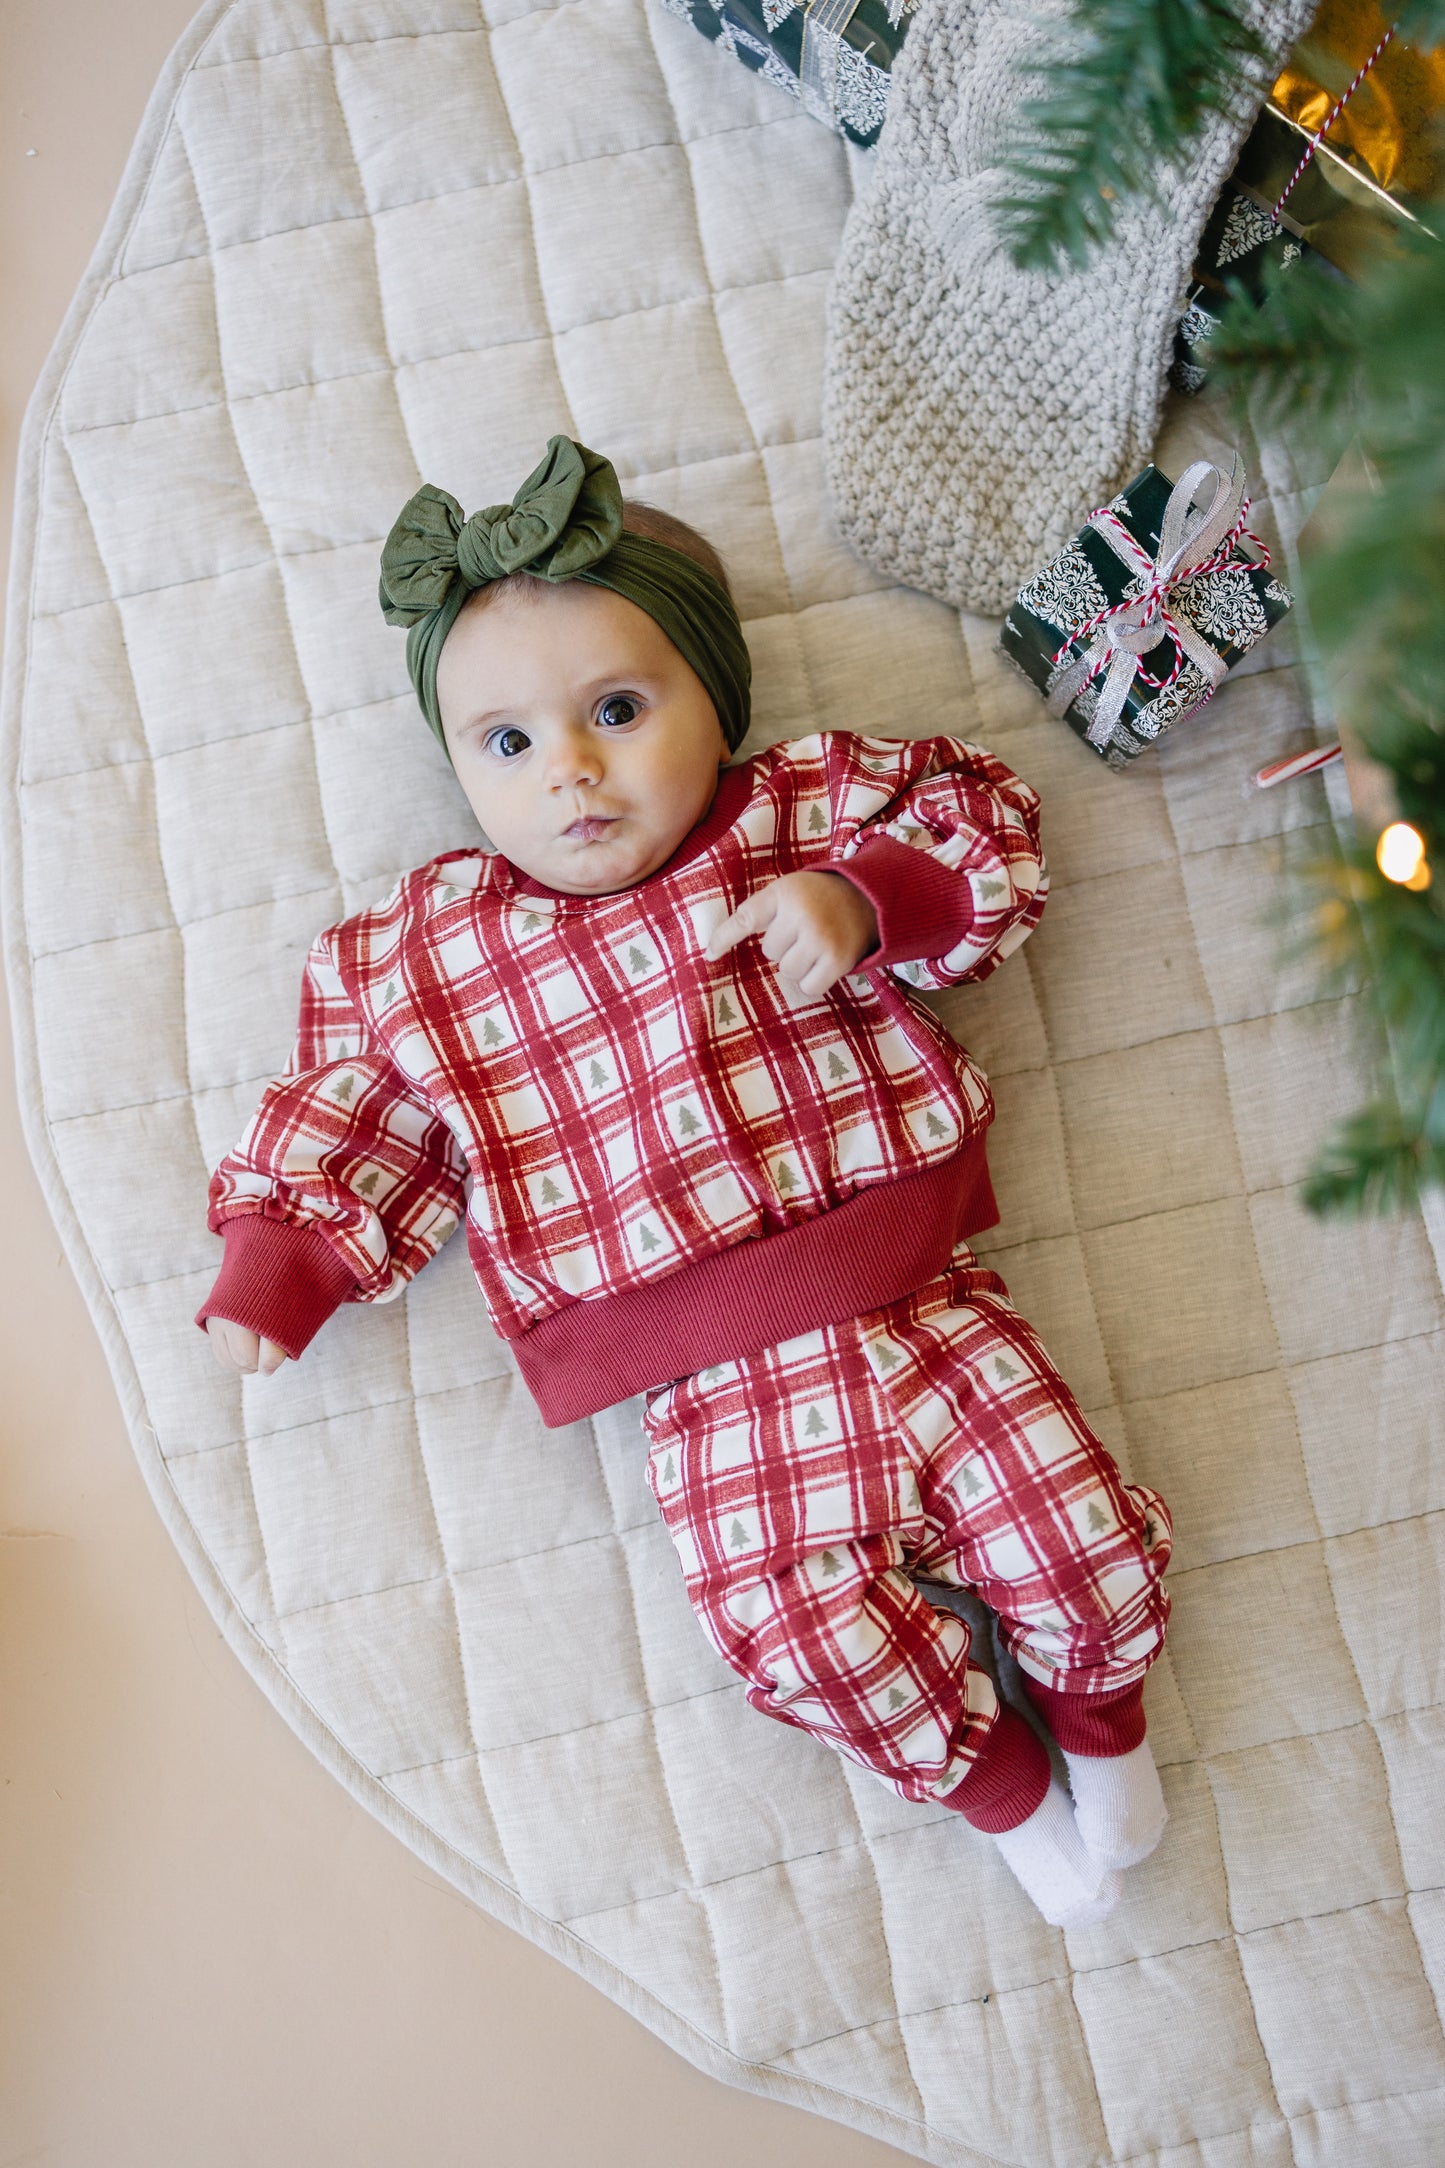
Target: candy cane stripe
[(1331, 117)]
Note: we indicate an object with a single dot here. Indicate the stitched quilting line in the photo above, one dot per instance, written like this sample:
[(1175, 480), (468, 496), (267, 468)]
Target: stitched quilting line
[(1280, 1366), (277, 556), (1324, 1547), (652, 1706), (466, 188), (423, 360), (424, 1395), (1120, 1401), (246, 1459), (343, 881), (419, 1447), (264, 1563)]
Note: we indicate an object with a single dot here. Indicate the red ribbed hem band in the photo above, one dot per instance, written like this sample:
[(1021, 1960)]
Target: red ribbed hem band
[(283, 1280), (1099, 1725), (279, 1279), (1008, 1781), (922, 908), (881, 1244)]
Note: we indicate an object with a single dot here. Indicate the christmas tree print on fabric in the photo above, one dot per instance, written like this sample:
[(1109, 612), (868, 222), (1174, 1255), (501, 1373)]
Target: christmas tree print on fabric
[(686, 1120), (636, 957), (650, 1238), (596, 1073)]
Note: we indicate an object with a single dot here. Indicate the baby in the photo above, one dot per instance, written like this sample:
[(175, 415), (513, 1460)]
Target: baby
[(653, 1046)]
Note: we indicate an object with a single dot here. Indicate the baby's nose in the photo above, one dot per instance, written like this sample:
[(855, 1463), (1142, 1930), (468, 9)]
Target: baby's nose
[(573, 759)]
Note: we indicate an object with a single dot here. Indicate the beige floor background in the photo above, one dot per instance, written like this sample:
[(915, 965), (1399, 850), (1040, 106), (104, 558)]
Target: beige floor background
[(210, 1957)]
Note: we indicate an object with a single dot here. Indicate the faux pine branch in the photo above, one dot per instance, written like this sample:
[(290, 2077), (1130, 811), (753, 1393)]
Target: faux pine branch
[(1123, 94), (1363, 362), (1126, 90)]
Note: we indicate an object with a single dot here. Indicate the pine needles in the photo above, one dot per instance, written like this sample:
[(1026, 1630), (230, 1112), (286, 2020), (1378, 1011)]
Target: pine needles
[(1364, 361), (1362, 925), (1421, 22), (1125, 91)]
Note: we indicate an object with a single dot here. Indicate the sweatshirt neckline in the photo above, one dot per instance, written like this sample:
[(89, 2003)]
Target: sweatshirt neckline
[(732, 793)]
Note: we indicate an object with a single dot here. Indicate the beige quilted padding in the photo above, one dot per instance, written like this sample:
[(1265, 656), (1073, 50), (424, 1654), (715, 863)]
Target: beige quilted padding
[(371, 241)]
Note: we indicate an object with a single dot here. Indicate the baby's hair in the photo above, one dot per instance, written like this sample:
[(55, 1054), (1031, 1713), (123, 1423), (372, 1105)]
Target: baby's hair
[(658, 526)]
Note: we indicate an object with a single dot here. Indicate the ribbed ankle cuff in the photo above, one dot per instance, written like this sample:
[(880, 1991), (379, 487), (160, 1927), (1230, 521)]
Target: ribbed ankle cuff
[(1009, 1779), (1093, 1724)]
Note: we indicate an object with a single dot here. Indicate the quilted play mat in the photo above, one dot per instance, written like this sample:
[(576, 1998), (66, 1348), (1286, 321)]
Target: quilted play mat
[(366, 242)]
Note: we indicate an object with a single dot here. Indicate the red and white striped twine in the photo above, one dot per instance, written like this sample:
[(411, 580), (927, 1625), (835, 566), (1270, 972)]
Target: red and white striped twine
[(1157, 591), (1329, 121)]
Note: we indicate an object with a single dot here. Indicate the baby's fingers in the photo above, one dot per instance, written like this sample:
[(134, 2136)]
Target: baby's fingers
[(751, 916), (237, 1349)]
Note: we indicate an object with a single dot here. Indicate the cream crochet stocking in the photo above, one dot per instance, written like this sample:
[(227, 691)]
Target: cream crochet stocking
[(973, 413)]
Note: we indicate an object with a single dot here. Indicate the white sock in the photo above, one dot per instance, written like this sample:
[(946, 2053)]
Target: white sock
[(1048, 1856), (1118, 1804)]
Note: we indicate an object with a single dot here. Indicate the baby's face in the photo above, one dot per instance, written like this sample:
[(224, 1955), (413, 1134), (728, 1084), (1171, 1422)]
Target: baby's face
[(585, 744)]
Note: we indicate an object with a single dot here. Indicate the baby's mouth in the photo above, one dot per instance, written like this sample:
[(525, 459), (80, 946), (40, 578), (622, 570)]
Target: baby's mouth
[(594, 825)]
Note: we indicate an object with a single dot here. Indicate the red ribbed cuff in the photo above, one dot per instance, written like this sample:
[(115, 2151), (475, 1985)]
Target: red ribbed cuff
[(1008, 1781), (1098, 1725), (279, 1280), (922, 908)]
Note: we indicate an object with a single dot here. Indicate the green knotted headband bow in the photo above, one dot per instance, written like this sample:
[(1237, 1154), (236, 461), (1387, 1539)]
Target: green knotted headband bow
[(565, 523)]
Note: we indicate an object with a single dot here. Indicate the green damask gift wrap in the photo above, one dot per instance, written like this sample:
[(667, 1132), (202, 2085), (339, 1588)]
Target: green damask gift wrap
[(1134, 624), (833, 55), (1239, 243)]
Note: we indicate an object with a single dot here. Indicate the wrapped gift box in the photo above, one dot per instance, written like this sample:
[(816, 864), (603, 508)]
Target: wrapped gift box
[(1238, 244), (832, 55), (1202, 596), (1379, 168)]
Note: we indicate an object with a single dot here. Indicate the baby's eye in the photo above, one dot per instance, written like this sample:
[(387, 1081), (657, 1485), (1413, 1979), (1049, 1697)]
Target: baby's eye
[(509, 742), (617, 709)]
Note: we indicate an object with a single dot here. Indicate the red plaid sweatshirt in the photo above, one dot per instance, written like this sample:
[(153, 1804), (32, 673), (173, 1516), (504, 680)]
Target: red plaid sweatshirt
[(662, 1162)]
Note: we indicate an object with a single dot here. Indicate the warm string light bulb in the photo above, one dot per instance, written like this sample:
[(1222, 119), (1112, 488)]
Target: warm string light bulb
[(1400, 856)]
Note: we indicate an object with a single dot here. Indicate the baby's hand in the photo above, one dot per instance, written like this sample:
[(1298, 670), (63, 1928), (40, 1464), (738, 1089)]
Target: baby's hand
[(236, 1349), (815, 927)]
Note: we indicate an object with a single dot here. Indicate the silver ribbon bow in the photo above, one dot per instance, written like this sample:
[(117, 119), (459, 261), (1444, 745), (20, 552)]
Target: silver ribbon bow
[(1188, 534)]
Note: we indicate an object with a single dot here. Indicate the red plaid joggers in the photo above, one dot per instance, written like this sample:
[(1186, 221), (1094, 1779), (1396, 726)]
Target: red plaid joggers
[(808, 1487)]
